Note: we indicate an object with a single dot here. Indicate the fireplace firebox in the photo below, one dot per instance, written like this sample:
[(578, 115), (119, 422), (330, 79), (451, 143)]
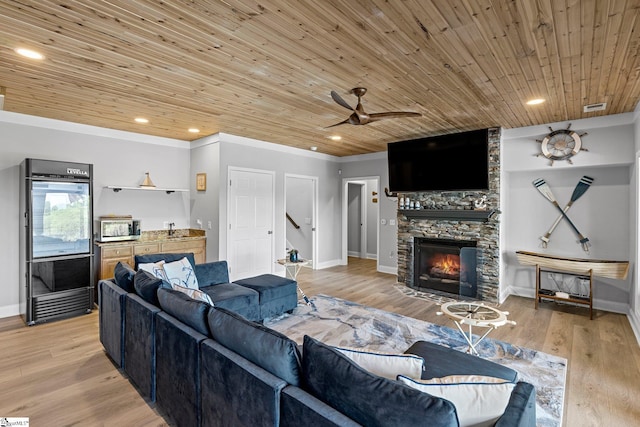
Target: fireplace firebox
[(445, 265)]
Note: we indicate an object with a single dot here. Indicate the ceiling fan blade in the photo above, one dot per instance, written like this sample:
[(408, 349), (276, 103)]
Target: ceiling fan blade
[(392, 115), (338, 124), (340, 101)]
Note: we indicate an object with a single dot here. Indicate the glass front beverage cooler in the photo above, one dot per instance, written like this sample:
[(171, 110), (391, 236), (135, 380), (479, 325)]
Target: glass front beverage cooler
[(56, 249)]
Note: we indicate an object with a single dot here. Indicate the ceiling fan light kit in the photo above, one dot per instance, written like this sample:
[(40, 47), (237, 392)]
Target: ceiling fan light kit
[(359, 116)]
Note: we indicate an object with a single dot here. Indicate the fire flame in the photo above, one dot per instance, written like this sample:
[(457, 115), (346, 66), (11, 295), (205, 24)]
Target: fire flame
[(449, 264)]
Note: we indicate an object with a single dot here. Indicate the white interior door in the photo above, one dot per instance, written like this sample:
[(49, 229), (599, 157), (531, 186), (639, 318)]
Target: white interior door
[(251, 196)]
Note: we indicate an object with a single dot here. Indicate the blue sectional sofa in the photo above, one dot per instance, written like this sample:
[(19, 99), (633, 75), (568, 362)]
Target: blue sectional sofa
[(210, 366), (129, 309)]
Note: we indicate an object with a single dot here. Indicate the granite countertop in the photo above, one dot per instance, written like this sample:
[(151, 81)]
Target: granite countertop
[(152, 236)]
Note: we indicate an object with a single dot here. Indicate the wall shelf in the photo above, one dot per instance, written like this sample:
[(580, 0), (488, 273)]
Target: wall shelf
[(117, 188), (448, 214)]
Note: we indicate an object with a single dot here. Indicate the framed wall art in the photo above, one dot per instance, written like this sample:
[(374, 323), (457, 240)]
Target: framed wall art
[(201, 181)]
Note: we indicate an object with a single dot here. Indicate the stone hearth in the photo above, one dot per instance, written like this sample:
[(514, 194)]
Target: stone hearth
[(483, 229)]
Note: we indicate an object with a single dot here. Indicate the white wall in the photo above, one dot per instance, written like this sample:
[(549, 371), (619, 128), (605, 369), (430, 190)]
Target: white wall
[(371, 165), (118, 158), (205, 205), (634, 200), (253, 154), (602, 214)]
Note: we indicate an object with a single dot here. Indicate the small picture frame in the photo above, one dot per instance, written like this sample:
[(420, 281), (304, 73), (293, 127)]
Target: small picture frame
[(201, 181)]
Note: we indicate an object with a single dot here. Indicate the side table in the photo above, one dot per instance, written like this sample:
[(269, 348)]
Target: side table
[(292, 269)]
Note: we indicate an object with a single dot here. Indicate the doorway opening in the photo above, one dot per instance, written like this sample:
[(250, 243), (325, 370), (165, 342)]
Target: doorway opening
[(360, 218), (301, 204)]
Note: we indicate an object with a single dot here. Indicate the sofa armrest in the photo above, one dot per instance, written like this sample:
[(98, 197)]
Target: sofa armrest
[(212, 273), (521, 409), (111, 300)]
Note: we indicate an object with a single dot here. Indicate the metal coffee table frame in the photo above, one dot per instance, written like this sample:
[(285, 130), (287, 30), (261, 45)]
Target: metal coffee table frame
[(474, 314)]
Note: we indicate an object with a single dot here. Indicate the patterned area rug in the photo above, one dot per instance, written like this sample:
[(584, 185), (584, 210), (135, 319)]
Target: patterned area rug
[(433, 296), (339, 322)]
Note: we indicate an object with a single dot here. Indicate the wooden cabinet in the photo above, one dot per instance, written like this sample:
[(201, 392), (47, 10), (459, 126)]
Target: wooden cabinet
[(109, 254), (198, 247), (146, 248)]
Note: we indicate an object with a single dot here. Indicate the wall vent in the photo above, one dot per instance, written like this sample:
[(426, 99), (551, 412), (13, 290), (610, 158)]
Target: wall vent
[(595, 107)]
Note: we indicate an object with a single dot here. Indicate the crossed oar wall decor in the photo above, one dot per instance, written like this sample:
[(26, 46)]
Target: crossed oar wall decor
[(544, 189)]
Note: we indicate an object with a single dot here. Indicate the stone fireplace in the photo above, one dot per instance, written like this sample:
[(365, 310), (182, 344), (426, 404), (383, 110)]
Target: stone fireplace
[(469, 236)]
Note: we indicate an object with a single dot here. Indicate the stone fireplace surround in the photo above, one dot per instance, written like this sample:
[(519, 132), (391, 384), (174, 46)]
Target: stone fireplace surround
[(438, 220)]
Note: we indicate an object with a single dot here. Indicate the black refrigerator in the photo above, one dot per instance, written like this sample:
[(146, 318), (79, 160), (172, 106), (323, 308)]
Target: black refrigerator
[(56, 208)]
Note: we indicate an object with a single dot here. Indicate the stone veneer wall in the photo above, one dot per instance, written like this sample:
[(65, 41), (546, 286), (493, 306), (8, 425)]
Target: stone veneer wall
[(487, 234)]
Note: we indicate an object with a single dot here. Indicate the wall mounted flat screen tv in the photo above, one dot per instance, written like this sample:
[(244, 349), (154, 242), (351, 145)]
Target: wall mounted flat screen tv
[(452, 162)]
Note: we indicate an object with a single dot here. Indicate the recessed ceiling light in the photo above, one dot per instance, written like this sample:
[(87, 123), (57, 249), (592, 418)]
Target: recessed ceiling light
[(141, 120), (314, 148), (28, 53), (335, 137), (194, 130), (535, 101)]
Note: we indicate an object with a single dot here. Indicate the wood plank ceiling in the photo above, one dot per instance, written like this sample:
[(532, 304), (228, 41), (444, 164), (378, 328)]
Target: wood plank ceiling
[(265, 69)]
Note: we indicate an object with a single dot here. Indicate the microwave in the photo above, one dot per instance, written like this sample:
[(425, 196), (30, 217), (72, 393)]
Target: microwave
[(117, 229)]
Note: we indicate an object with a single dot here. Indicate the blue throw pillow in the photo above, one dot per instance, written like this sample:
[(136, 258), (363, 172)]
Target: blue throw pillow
[(184, 308), (366, 398), (147, 285), (167, 257), (123, 275), (265, 347)]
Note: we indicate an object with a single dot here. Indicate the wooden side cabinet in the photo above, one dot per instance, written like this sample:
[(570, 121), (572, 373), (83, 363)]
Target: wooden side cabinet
[(109, 254), (197, 246)]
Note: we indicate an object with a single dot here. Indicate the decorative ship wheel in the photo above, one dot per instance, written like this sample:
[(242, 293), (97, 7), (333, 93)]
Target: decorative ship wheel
[(561, 144), (474, 314)]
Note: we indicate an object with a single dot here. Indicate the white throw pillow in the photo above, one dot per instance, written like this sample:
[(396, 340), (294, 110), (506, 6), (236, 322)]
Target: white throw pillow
[(155, 268), (194, 293), (479, 400), (181, 273), (388, 365)]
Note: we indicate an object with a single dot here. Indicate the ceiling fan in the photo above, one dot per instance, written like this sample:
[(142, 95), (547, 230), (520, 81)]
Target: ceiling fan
[(359, 116)]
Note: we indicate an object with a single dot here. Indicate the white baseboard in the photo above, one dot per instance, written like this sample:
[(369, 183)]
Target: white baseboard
[(614, 307), (388, 270), (634, 320), (356, 254), (9, 310), (327, 264)]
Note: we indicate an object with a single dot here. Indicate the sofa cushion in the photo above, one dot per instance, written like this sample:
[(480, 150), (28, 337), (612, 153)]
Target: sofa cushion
[(146, 285), (231, 296), (269, 286), (196, 294), (166, 257), (440, 361), (123, 275), (212, 273), (184, 308), (479, 400), (367, 398), (265, 347), (155, 268), (386, 365), (181, 273)]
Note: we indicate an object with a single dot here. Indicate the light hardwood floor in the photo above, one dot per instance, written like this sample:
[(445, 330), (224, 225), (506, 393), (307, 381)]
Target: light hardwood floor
[(57, 374)]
